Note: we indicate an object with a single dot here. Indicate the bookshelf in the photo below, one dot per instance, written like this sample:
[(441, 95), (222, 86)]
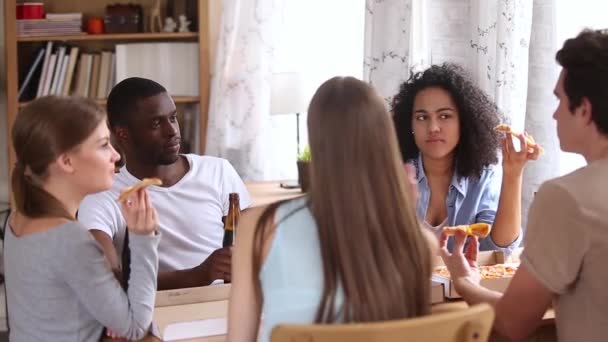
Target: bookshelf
[(115, 36), (21, 51)]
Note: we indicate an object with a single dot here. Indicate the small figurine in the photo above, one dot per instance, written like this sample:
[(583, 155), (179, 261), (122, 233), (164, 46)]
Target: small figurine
[(170, 25), (155, 22), (183, 23)]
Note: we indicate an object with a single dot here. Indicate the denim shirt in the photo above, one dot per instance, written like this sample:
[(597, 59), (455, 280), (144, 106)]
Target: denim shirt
[(469, 200)]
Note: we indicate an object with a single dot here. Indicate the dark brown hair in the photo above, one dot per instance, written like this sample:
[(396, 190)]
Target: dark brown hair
[(585, 61), (371, 244), (45, 128), (478, 115)]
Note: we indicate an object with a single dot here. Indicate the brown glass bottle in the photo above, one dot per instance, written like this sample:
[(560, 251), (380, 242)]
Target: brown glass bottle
[(232, 219)]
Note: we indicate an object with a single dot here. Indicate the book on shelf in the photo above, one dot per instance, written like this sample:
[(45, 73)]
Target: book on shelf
[(62, 73), (64, 16), (33, 72), (45, 67), (84, 73), (58, 70), (104, 74), (48, 78), (53, 24), (112, 79), (94, 78), (44, 27), (67, 84)]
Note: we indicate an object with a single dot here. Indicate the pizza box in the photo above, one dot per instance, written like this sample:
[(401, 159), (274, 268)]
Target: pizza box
[(192, 295), (516, 255), (437, 293), (192, 314), (483, 259)]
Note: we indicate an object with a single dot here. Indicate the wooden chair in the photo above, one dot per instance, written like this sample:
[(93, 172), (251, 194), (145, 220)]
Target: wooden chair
[(472, 324)]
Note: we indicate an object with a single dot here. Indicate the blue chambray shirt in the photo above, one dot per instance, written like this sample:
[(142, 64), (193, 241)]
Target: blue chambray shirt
[(469, 201)]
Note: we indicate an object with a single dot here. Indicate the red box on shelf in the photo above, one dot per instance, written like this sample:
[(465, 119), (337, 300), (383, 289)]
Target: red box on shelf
[(30, 10)]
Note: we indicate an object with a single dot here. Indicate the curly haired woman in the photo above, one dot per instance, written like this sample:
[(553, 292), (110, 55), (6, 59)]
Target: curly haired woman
[(445, 126)]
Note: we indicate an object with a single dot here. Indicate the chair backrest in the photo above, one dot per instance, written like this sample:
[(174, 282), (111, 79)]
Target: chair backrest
[(472, 324)]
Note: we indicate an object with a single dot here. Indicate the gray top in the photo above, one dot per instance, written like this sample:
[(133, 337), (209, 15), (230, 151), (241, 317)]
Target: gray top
[(60, 287)]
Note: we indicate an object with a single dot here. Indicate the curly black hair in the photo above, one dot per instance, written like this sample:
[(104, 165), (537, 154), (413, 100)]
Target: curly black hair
[(584, 60), (478, 115)]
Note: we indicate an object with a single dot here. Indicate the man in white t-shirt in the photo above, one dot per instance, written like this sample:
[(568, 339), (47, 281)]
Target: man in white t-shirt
[(190, 203)]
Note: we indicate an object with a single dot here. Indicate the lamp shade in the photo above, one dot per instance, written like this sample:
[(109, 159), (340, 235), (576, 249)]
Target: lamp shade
[(287, 94)]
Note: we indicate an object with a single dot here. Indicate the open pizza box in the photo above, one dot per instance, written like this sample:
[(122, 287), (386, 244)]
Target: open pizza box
[(483, 259), (192, 314)]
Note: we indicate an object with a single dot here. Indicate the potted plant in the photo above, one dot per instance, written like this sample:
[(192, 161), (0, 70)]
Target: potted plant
[(303, 169)]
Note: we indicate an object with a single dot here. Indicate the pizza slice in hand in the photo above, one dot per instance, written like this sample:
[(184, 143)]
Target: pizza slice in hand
[(476, 229), (144, 183), (504, 128)]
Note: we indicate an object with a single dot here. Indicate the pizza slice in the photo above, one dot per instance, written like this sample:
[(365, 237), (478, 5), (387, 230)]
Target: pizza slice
[(144, 183), (476, 229), (504, 128)]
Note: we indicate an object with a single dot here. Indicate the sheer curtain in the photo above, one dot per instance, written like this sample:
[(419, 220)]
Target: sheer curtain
[(319, 39), (396, 42), (240, 86)]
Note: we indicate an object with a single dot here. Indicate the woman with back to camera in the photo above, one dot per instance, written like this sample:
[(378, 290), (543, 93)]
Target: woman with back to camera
[(349, 251), (446, 128), (59, 286)]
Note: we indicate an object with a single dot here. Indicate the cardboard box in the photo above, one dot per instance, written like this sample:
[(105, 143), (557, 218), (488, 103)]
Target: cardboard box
[(483, 259), (192, 295), (437, 292), (193, 314)]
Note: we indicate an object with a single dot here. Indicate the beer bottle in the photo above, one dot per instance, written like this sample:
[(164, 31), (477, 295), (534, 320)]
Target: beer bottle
[(232, 219)]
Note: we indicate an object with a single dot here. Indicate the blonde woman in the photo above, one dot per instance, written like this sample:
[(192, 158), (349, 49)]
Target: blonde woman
[(59, 285)]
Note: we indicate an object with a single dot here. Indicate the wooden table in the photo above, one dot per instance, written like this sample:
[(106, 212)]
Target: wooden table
[(217, 309), (263, 193)]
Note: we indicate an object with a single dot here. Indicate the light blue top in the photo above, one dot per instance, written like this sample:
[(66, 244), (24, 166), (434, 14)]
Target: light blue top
[(292, 274), (469, 200)]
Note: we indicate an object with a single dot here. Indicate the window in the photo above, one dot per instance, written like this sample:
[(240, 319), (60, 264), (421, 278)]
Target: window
[(319, 39), (571, 18)]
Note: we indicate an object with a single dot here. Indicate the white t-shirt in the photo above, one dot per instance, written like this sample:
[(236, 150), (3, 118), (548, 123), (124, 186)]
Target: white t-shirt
[(189, 212)]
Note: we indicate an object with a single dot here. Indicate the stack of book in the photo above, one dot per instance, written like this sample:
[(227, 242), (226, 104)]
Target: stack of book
[(65, 70), (54, 24)]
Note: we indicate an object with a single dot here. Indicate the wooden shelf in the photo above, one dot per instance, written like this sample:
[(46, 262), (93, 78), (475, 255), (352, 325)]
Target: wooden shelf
[(177, 99), (117, 36)]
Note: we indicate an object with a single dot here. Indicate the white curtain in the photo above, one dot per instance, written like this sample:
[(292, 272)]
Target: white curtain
[(261, 37), (498, 54), (508, 46), (395, 43), (240, 86), (543, 72)]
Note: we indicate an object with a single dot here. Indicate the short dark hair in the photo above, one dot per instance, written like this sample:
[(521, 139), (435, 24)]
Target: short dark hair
[(585, 60), (124, 97), (478, 115)]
